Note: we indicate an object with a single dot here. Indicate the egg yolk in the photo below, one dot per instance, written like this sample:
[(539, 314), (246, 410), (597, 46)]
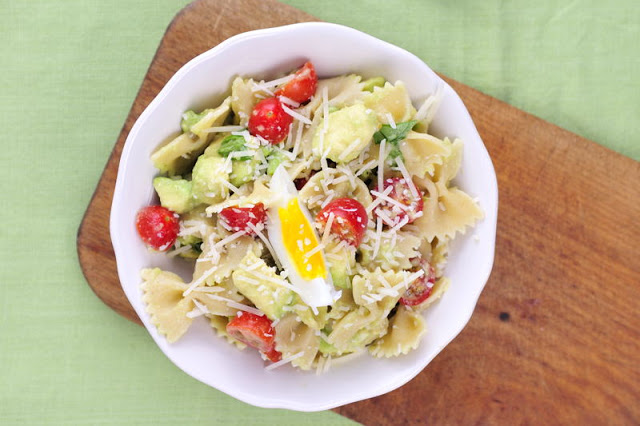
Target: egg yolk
[(299, 238)]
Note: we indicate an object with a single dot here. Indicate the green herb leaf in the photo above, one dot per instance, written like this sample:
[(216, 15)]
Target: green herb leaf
[(233, 143), (393, 136), (190, 118), (394, 153)]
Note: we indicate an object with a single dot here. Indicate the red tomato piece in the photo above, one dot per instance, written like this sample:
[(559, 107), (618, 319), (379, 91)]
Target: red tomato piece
[(402, 194), (420, 289), (302, 86), (255, 331), (238, 218), (350, 219), (269, 121), (273, 355), (158, 227)]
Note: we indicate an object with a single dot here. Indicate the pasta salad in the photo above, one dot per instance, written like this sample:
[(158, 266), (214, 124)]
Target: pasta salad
[(317, 214)]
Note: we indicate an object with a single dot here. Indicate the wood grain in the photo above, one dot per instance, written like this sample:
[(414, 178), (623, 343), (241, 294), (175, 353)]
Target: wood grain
[(554, 338)]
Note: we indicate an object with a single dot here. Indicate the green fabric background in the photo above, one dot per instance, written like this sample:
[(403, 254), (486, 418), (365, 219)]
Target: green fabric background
[(69, 72)]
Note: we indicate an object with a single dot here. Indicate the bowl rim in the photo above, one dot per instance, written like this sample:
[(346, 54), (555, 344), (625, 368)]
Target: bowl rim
[(490, 212)]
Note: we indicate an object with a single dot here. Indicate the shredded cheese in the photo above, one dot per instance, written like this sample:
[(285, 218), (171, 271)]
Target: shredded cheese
[(296, 115), (349, 149), (378, 200), (289, 101), (327, 229), (381, 158), (221, 129), (284, 361), (200, 280), (376, 245), (266, 242), (407, 177), (391, 121), (390, 200), (233, 304), (316, 249), (229, 239), (230, 186)]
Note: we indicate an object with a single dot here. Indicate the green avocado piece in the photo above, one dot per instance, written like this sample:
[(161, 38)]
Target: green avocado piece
[(208, 179), (274, 158), (326, 348), (339, 274), (175, 194), (194, 242), (189, 118), (267, 296), (373, 82), (242, 172), (346, 126), (178, 155), (341, 264)]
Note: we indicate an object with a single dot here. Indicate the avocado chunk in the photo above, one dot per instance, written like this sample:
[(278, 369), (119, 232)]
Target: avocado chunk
[(242, 172), (178, 156), (373, 82), (209, 179), (189, 118), (339, 274), (342, 262), (175, 194), (274, 157), (327, 348), (266, 295), (194, 242), (348, 132)]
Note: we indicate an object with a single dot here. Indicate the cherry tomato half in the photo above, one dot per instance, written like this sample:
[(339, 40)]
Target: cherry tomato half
[(401, 192), (273, 355), (239, 218), (269, 121), (255, 331), (420, 289), (158, 227), (302, 86), (350, 219)]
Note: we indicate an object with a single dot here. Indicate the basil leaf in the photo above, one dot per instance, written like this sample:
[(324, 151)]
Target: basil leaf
[(394, 153), (231, 144), (393, 136)]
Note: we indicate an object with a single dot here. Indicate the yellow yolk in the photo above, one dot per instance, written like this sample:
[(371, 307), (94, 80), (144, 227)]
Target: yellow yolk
[(299, 238)]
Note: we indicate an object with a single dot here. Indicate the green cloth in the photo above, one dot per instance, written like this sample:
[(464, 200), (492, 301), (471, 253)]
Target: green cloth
[(70, 71)]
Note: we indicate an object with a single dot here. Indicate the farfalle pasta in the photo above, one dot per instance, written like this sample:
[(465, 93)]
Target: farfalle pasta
[(317, 214)]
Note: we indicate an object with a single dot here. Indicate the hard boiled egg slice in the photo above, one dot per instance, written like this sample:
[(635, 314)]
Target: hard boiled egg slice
[(296, 244)]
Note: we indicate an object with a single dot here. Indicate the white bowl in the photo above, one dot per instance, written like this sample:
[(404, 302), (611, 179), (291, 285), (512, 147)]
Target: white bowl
[(205, 80)]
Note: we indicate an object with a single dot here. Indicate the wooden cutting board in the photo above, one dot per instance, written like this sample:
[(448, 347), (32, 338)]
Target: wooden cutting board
[(554, 338)]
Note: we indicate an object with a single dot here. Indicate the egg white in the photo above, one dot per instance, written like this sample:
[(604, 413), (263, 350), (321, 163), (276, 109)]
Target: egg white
[(318, 291)]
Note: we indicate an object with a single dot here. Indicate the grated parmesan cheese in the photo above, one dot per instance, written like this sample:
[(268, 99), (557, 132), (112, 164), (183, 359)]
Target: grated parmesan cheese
[(284, 361), (200, 280), (222, 129), (233, 304), (391, 121), (296, 115)]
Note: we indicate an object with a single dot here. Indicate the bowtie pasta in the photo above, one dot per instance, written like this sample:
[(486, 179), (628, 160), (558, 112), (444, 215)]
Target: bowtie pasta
[(317, 214)]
